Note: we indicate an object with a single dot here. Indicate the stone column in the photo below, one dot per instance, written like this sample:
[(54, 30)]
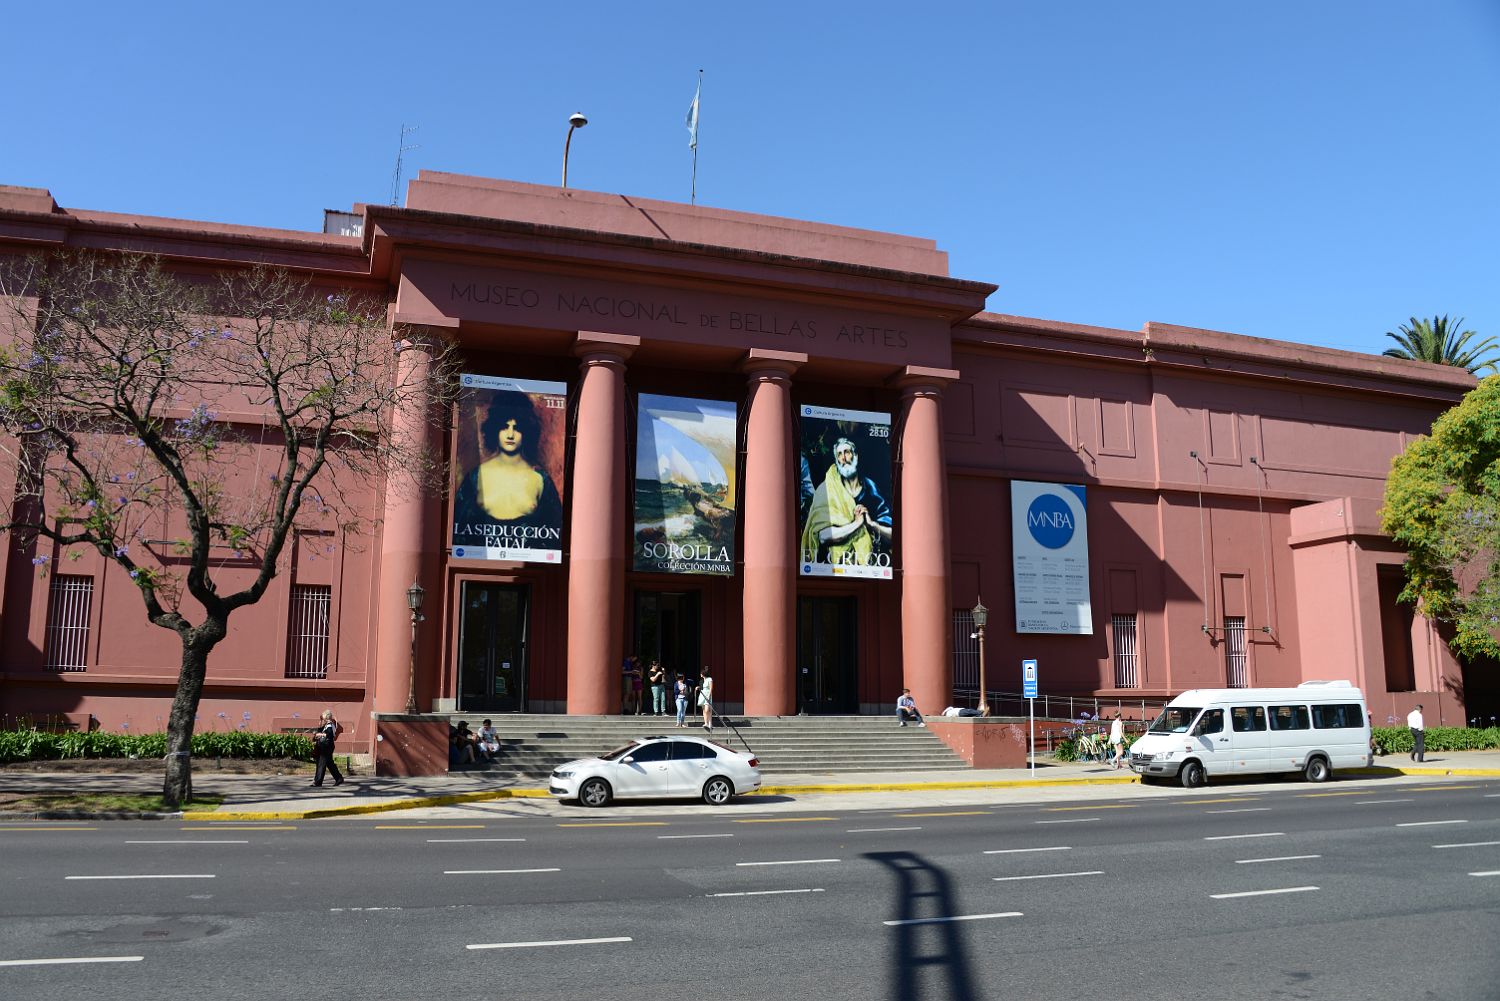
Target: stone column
[(407, 529), (770, 557), (596, 561), (926, 627)]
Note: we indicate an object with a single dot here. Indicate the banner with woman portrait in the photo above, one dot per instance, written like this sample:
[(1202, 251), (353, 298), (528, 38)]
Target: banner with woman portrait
[(508, 469), (845, 480), (684, 485)]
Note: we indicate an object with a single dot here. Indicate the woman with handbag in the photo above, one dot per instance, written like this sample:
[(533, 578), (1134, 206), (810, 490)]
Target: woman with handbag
[(327, 732)]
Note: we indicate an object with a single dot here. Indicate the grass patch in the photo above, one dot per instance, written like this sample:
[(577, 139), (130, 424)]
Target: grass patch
[(102, 802)]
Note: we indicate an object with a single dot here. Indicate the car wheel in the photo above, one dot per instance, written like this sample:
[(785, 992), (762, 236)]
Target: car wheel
[(717, 791), (1192, 775), (1317, 770), (594, 792)]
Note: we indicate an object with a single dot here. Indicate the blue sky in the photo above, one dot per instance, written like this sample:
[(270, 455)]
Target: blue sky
[(1310, 171)]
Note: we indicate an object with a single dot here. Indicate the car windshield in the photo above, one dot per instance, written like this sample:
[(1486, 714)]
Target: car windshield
[(619, 752), (1175, 719)]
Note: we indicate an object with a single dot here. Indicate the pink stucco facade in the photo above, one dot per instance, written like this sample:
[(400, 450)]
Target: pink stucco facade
[(1232, 482)]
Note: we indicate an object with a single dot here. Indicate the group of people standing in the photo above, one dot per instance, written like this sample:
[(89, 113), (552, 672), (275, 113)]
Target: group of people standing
[(685, 692)]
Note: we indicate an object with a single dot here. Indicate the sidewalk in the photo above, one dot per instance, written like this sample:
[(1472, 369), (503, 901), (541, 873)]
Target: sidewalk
[(286, 797)]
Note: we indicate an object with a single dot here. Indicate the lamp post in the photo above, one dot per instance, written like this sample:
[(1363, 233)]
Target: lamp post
[(575, 121), (414, 595), (981, 618)]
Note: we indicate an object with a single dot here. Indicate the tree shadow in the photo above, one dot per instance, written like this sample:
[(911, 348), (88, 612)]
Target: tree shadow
[(924, 893)]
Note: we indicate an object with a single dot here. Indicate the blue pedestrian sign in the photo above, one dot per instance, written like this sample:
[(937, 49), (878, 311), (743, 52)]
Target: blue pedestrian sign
[(1028, 679)]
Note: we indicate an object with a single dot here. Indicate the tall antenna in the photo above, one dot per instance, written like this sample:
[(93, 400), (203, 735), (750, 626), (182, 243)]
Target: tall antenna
[(401, 149)]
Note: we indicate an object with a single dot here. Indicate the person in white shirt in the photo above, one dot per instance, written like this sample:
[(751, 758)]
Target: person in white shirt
[(1117, 739), (1414, 722), (906, 709)]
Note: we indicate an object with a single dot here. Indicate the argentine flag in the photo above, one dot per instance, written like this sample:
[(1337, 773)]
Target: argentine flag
[(692, 117)]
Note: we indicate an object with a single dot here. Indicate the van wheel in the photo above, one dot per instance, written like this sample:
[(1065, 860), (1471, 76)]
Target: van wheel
[(1317, 770), (1192, 775), (717, 791), (594, 792)]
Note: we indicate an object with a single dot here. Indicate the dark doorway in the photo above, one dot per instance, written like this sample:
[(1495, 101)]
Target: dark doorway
[(492, 647), (1395, 630), (827, 655), (669, 629)]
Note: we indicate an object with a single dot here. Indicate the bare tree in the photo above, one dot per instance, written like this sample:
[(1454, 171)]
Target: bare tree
[(142, 409)]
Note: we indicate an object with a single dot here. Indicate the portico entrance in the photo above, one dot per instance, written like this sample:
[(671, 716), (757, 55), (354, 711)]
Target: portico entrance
[(492, 637), (827, 655)]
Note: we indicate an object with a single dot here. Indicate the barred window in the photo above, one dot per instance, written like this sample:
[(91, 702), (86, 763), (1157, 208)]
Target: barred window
[(307, 631), (1125, 651), (1237, 663), (70, 599)]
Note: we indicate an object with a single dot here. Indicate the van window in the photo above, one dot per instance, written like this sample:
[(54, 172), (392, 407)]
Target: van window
[(1289, 718), (1175, 719), (1345, 715), (1248, 719), (1212, 722)]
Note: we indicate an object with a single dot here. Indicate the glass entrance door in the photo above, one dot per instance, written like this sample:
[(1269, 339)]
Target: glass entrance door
[(668, 628), (827, 651), (492, 647)]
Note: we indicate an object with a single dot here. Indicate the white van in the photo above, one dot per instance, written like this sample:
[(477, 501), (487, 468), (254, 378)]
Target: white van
[(1313, 729)]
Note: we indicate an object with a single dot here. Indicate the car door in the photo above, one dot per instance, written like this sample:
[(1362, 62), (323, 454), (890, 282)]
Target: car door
[(691, 765), (1251, 739), (1212, 742), (644, 771)]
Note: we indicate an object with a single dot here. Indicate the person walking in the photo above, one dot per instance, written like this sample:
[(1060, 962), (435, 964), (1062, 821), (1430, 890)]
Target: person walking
[(1117, 739), (1418, 734), (706, 699), (658, 689), (681, 693), (906, 708), (323, 738)]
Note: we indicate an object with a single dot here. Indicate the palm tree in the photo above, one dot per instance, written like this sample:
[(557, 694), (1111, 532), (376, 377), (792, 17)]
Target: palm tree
[(1439, 340)]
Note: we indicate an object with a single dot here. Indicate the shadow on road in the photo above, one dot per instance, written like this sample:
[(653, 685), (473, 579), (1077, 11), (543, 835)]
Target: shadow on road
[(924, 892)]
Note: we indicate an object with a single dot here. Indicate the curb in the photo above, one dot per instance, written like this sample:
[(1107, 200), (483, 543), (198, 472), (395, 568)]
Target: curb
[(85, 815), (358, 809)]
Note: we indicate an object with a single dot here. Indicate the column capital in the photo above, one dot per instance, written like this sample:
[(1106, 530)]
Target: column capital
[(421, 330), (762, 363), (919, 380), (596, 347)]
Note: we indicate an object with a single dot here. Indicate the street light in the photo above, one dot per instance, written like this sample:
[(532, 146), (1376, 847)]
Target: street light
[(414, 595), (981, 617), (575, 121)]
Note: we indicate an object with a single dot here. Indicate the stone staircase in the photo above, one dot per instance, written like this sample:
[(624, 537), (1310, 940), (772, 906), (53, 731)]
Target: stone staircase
[(532, 745)]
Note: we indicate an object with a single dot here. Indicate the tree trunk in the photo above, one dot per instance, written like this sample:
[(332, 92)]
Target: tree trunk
[(177, 789)]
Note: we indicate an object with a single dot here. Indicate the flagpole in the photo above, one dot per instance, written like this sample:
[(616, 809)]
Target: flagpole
[(697, 99)]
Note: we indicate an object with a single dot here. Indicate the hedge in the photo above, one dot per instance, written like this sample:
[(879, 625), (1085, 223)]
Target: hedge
[(1390, 740), (44, 745), (1397, 739)]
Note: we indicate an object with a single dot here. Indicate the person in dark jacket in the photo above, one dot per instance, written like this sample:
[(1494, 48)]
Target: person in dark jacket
[(327, 733)]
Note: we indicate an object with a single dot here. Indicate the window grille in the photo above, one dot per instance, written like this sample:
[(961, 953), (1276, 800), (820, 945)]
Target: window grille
[(1234, 651), (70, 599), (1125, 651), (307, 631), (965, 652)]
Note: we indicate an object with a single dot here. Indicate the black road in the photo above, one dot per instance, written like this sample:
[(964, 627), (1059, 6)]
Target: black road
[(1278, 891)]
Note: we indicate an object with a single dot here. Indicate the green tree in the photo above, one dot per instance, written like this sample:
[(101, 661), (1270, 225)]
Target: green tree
[(183, 428), (1440, 341), (1442, 502)]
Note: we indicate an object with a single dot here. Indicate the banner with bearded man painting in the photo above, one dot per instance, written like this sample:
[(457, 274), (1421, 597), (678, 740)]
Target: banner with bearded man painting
[(508, 464), (845, 493)]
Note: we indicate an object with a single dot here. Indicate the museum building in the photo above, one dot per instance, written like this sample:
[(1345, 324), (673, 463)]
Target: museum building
[(795, 453)]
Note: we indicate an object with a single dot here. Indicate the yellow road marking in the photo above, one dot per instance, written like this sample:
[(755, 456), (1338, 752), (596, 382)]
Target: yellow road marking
[(955, 813), (620, 823), (1107, 806), (1316, 795), (48, 828), (780, 820), (429, 827), (225, 827), (1439, 788)]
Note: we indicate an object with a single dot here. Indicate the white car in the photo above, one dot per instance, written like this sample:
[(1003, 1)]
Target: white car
[(659, 768)]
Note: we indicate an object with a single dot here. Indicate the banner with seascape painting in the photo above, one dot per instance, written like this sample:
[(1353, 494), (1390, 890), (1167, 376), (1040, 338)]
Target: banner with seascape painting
[(685, 499)]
